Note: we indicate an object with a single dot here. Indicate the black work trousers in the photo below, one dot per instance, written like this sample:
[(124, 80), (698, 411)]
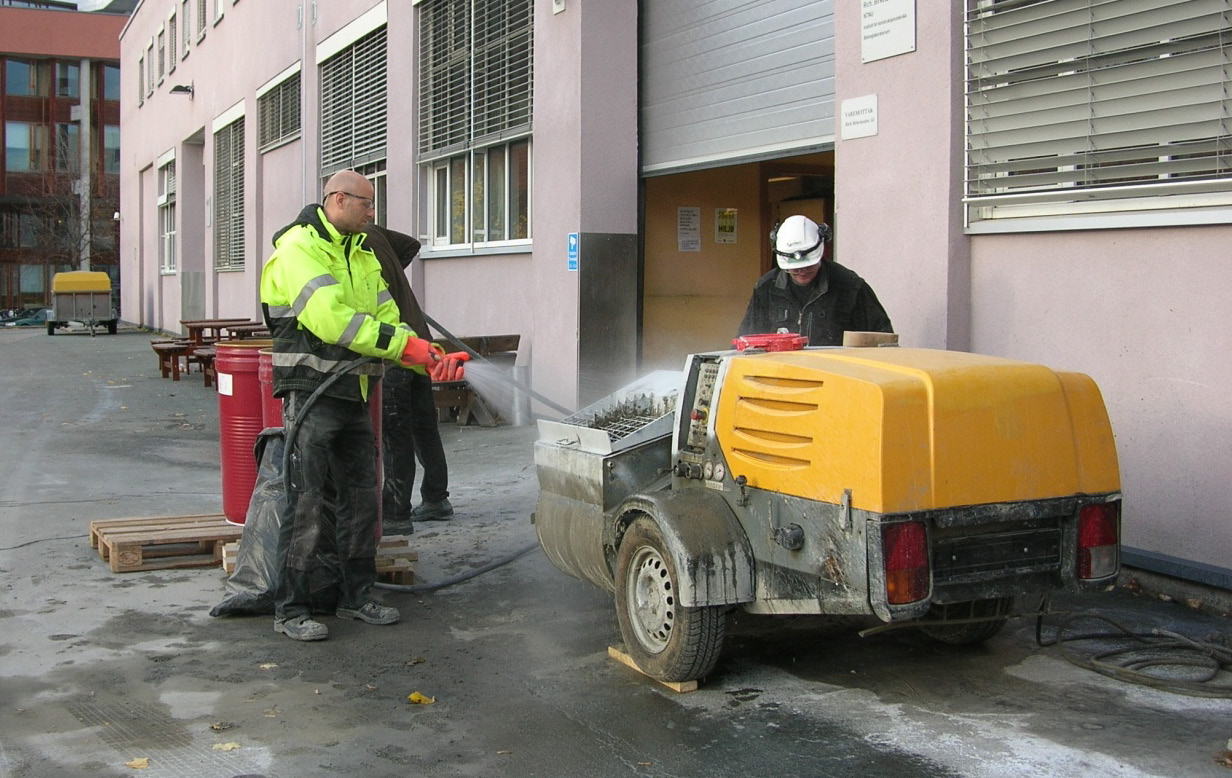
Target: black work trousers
[(409, 429), (334, 445)]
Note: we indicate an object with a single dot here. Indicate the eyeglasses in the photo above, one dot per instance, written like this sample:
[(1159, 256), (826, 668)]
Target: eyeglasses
[(368, 201)]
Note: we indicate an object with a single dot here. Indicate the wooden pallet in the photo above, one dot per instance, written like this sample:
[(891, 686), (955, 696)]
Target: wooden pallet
[(395, 561), (162, 542)]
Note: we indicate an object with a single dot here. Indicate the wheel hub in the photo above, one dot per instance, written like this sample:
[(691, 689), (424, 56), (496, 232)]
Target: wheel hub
[(652, 600)]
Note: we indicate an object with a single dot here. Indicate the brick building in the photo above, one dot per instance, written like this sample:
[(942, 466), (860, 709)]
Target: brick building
[(60, 123)]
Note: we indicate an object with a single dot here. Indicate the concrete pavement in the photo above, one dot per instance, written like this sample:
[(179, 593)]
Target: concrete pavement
[(98, 669)]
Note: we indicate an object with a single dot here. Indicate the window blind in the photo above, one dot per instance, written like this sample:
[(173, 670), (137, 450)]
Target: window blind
[(1079, 100), (229, 196), (354, 104), (476, 73), (279, 113)]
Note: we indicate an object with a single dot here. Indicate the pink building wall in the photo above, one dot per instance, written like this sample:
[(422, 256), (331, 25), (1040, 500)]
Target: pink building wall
[(1142, 311)]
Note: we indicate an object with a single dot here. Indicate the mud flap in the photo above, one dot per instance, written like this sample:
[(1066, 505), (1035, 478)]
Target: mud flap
[(708, 546)]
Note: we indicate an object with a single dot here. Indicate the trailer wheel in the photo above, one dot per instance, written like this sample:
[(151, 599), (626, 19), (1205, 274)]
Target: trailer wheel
[(668, 642), (111, 327), (51, 328), (993, 614)]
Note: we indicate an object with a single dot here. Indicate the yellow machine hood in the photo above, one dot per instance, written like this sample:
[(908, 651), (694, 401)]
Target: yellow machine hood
[(912, 429)]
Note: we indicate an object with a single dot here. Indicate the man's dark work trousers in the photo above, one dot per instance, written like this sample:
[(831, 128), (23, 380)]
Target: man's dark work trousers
[(334, 442), (408, 428)]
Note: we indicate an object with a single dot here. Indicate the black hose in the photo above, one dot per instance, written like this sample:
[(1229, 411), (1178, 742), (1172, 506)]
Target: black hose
[(459, 578), (510, 379), (1127, 655), (288, 443)]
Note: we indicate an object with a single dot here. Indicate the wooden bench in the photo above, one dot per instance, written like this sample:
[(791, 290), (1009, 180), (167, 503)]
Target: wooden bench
[(203, 356), (169, 353), (456, 399)]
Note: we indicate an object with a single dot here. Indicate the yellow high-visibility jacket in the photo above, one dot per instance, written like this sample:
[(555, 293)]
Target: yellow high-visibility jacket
[(327, 305)]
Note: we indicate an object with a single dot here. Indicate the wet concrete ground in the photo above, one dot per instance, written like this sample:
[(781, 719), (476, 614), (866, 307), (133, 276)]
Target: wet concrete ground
[(99, 668)]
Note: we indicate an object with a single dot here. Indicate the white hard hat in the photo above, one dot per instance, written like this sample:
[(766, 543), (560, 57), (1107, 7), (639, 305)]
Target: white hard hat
[(799, 242)]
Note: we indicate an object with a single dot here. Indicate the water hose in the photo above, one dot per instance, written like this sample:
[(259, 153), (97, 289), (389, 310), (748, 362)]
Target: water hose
[(288, 444), (510, 379)]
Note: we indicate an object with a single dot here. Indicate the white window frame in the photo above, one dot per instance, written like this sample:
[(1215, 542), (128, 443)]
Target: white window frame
[(167, 264), (202, 20), (151, 64), (476, 208), (1108, 93), (186, 18), (172, 41), (162, 53), (455, 146)]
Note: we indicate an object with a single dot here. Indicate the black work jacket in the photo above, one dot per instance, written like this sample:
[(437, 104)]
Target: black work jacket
[(841, 302)]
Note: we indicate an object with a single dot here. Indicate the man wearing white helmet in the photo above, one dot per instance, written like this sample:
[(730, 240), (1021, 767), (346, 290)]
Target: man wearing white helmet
[(805, 295)]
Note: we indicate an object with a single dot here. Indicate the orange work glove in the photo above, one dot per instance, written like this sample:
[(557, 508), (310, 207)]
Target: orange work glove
[(419, 352)]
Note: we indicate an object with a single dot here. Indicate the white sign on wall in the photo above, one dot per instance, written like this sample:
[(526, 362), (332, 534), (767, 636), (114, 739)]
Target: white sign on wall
[(887, 28), (688, 228), (724, 225), (858, 117)]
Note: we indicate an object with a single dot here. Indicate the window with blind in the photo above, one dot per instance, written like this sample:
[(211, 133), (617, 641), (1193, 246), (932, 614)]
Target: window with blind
[(172, 42), (1082, 109), (162, 54), (202, 19), (186, 22), (476, 74), (229, 197), (279, 114), (353, 105), (166, 217)]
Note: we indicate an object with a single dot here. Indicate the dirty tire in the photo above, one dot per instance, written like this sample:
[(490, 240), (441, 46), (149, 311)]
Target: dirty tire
[(668, 642), (975, 632)]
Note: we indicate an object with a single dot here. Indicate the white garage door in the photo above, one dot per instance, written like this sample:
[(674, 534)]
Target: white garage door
[(735, 80)]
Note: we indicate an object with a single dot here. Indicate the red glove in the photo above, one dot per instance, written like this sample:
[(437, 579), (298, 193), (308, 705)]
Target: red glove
[(419, 352)]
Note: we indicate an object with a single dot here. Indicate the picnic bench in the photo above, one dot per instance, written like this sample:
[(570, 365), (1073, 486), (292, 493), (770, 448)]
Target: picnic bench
[(169, 352)]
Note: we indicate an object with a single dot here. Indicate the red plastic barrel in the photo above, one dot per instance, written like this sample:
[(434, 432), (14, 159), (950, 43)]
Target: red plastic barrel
[(271, 406), (240, 420), (271, 414)]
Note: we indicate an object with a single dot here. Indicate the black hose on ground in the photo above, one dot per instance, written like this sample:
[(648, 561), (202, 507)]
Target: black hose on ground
[(1152, 658), (460, 577)]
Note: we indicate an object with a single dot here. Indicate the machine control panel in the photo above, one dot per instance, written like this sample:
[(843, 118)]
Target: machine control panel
[(699, 410)]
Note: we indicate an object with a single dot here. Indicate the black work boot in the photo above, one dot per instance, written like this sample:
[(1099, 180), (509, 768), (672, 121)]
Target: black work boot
[(432, 511)]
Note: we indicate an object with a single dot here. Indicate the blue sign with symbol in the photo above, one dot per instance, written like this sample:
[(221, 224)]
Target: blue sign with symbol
[(573, 251)]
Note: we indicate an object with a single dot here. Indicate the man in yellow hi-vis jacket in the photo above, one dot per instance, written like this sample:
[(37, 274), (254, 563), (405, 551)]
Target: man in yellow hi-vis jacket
[(327, 306)]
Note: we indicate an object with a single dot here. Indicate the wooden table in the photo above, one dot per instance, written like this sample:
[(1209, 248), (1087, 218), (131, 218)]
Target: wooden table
[(204, 331), (247, 329)]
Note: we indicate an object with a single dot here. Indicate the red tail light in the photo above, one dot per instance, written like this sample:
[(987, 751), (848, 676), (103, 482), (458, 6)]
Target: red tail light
[(905, 549), (1098, 547)]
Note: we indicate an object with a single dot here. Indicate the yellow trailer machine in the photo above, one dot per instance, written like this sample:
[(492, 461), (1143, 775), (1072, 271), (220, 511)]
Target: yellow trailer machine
[(83, 296), (917, 485)]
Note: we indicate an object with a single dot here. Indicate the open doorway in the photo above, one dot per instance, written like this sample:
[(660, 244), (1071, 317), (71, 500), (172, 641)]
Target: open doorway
[(707, 241)]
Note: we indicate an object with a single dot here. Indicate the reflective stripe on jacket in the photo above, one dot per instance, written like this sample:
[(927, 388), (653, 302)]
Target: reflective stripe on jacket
[(327, 305)]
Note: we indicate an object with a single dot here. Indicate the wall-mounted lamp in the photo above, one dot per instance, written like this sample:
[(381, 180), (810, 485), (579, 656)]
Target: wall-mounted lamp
[(183, 89)]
